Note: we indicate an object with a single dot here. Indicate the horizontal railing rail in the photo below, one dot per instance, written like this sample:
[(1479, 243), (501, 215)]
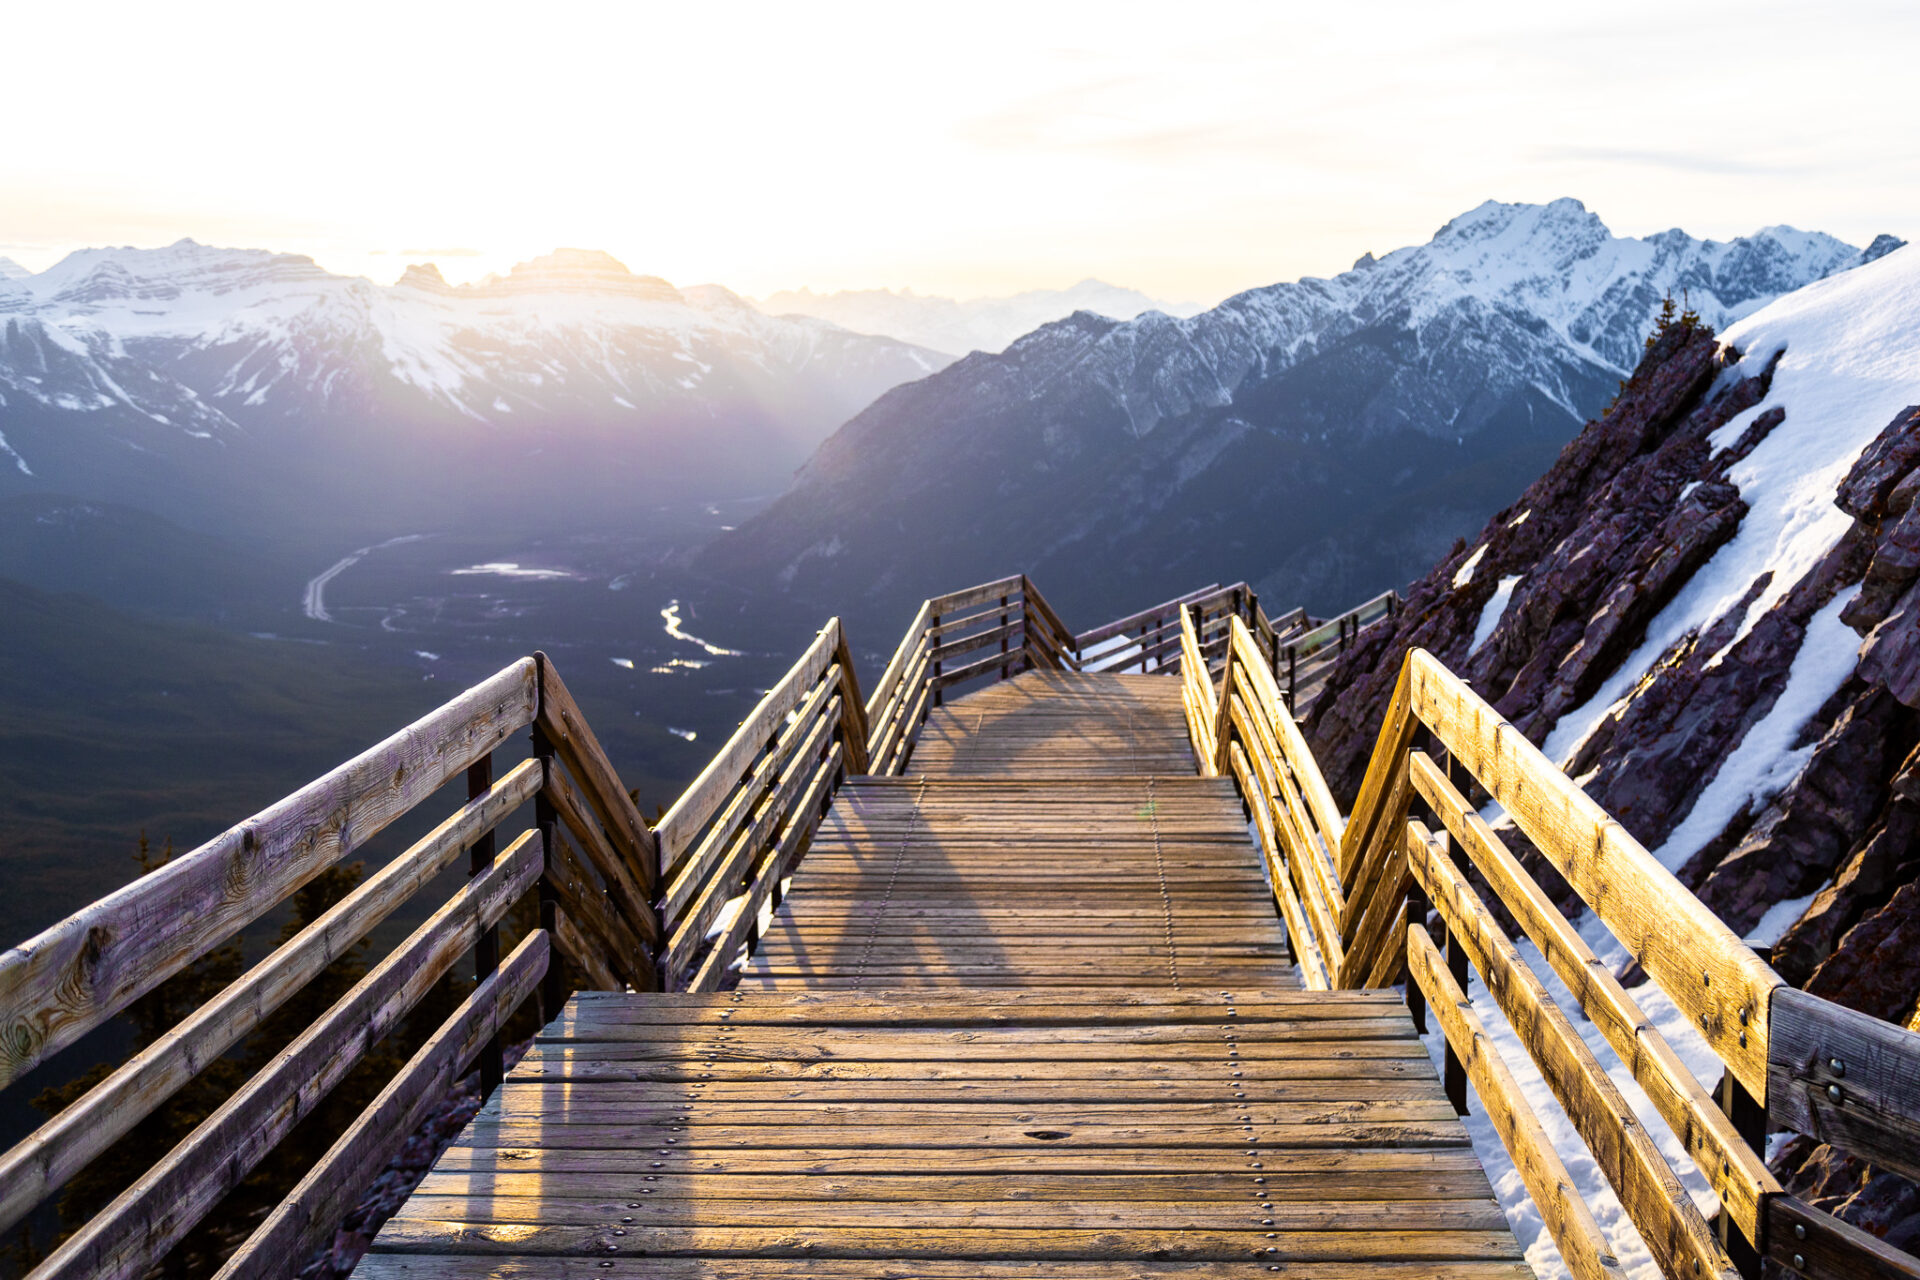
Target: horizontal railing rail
[(733, 836), (992, 631), (1414, 885), (1395, 891)]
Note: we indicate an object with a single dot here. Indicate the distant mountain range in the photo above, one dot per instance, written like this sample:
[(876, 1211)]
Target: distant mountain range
[(977, 324), (1323, 439), (239, 385)]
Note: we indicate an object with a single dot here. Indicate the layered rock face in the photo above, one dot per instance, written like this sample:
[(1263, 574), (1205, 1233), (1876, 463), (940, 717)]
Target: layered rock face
[(1708, 611)]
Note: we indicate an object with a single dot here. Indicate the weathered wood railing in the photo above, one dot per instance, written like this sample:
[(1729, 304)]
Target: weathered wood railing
[(995, 630), (735, 834), (1364, 899), (1367, 900), (1150, 639), (92, 965)]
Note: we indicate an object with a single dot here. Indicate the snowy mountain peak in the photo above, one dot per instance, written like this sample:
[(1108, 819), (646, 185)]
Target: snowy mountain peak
[(583, 271), (11, 270), (424, 276)]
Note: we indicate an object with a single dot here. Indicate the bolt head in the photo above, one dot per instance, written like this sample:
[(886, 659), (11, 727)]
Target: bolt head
[(1799, 1263), (1836, 1066), (1833, 1092), (1799, 1231)]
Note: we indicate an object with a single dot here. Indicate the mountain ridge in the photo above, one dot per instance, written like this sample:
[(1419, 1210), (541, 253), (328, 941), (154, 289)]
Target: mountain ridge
[(1248, 442)]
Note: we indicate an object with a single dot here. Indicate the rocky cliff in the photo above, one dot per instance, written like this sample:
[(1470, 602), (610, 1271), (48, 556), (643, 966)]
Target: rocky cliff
[(1708, 610)]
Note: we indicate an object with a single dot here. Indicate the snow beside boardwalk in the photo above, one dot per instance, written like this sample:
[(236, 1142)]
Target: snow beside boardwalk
[(1850, 362), (1522, 1214)]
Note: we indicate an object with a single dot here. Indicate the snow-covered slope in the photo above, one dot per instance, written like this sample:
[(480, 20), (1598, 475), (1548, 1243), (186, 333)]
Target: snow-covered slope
[(11, 270), (957, 327), (183, 352), (1709, 610), (1323, 439)]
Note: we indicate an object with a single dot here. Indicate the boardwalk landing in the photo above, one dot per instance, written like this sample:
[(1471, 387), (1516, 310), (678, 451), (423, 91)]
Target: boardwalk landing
[(1026, 1013)]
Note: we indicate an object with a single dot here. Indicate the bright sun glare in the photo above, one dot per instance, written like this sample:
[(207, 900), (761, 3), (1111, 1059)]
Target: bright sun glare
[(958, 150)]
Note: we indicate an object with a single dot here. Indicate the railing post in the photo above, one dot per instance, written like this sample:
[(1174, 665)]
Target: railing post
[(1293, 675), (553, 987), (1026, 615), (1416, 999), (1749, 1117), (933, 639), (486, 950)]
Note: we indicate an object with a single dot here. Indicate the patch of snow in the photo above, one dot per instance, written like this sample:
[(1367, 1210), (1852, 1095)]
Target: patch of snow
[(1523, 1216), (424, 654), (1765, 762), (687, 734), (511, 569), (1847, 369), (1464, 574), (623, 662), (1520, 519), (1492, 612), (1779, 918)]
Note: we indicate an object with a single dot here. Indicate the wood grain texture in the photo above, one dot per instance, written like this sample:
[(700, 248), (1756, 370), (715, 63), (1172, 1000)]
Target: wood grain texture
[(1845, 1077), (1700, 963), (67, 980), (34, 1168), (307, 1217), (572, 739), (1735, 1171), (143, 1222), (1662, 1211), (1082, 1152), (1583, 1247)]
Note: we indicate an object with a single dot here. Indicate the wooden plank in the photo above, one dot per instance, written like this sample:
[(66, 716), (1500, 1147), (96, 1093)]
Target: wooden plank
[(1119, 626), (886, 690), (1845, 1077), (72, 977), (959, 601), (60, 1148), (598, 927), (853, 715), (146, 1220), (1700, 963), (1371, 829), (1675, 1233), (1060, 637), (560, 721), (1293, 746), (1735, 1171), (1806, 1242), (308, 1216), (585, 956), (1569, 1221), (728, 878), (508, 1266), (806, 721)]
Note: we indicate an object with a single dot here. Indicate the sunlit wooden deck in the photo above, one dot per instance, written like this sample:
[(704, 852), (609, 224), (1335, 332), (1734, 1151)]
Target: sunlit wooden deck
[(1027, 1011)]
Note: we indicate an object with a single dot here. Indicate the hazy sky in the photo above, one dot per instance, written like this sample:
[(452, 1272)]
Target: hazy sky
[(1190, 150)]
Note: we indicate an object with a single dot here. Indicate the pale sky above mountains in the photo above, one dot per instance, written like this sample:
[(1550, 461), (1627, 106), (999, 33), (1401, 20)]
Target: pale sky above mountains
[(1188, 152)]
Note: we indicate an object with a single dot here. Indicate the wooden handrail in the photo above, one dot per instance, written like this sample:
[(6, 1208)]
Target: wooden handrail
[(77, 974)]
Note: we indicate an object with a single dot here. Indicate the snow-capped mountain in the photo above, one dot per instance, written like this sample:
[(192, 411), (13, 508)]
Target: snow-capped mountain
[(11, 270), (1323, 439), (127, 370), (1708, 612), (957, 327)]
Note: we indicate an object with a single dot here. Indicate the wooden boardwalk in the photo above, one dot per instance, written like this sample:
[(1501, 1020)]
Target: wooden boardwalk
[(1026, 1012)]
